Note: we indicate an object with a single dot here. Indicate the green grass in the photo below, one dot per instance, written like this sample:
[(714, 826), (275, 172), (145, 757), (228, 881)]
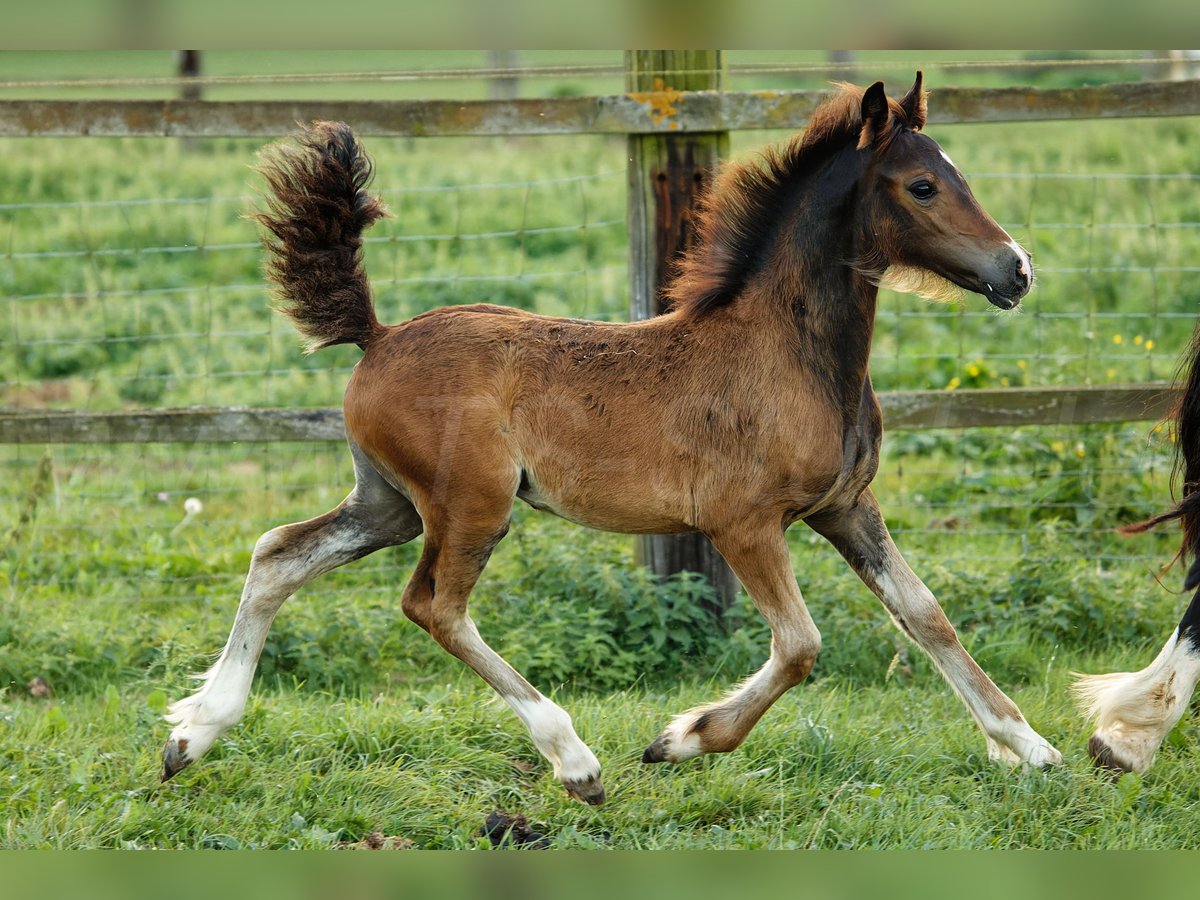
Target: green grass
[(358, 721), (834, 765)]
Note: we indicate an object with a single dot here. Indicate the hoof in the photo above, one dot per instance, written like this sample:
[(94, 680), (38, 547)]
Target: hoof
[(586, 790), (680, 741), (1104, 759), (175, 758), (656, 752)]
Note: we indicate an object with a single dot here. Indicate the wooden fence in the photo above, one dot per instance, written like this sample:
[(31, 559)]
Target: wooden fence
[(667, 121), (662, 111), (992, 407)]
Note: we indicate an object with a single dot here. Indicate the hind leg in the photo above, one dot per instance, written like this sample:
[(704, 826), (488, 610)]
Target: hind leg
[(436, 599), (371, 517), (1134, 711)]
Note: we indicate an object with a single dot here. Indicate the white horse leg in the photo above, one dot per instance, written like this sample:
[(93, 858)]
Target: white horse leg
[(285, 558), (1134, 711), (861, 537), (436, 599)]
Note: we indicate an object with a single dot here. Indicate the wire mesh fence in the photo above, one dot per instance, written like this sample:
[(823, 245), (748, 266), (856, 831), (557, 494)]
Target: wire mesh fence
[(121, 297), (161, 302), (239, 75)]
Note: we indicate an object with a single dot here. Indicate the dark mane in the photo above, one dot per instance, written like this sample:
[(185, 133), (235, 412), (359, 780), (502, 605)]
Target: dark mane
[(742, 208)]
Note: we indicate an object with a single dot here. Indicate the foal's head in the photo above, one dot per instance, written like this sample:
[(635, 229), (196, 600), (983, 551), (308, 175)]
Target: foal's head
[(924, 230)]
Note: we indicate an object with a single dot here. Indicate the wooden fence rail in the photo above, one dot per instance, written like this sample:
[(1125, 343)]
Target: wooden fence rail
[(677, 129), (637, 112), (987, 408)]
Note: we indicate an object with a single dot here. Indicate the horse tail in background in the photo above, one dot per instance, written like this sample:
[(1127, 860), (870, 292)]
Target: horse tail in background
[(316, 211), (1134, 711), (1186, 425)]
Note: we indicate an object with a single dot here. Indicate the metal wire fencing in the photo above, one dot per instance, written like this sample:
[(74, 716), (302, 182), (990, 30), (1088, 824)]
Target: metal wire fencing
[(138, 301)]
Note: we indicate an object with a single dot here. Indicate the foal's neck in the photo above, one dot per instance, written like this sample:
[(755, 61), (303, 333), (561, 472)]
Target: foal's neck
[(816, 293)]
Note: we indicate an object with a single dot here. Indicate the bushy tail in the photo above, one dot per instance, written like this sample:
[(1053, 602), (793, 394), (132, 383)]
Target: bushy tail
[(316, 212), (1187, 460)]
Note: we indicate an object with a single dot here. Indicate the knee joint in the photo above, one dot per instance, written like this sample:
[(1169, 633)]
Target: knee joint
[(416, 605), (799, 654), (271, 544)]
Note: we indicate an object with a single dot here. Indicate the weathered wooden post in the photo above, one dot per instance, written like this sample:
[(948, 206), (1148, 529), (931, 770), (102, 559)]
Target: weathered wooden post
[(667, 173), (189, 70), (189, 67), (502, 83)]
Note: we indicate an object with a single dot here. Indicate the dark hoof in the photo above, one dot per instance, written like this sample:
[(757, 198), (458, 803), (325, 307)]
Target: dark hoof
[(586, 790), (1104, 759), (656, 752), (175, 759)]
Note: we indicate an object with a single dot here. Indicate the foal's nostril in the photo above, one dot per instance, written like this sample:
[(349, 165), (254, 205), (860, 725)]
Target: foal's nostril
[(1023, 268)]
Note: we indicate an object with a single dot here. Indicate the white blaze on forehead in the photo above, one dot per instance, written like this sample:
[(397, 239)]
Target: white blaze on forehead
[(947, 159)]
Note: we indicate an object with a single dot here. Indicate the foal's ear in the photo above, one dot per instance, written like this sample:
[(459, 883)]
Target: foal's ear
[(913, 104), (875, 114)]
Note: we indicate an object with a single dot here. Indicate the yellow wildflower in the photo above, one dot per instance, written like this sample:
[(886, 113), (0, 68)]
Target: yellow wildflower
[(1117, 339), (1149, 345)]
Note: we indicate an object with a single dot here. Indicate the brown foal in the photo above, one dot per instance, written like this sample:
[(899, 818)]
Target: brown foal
[(746, 408)]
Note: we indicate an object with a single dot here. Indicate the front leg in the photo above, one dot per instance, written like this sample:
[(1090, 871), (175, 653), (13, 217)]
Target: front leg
[(758, 555), (860, 535)]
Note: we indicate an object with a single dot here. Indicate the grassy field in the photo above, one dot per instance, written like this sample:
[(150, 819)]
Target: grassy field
[(131, 279), (835, 765)]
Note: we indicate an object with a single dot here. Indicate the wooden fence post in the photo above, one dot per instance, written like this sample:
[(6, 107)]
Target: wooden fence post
[(666, 174), (503, 87), (189, 67)]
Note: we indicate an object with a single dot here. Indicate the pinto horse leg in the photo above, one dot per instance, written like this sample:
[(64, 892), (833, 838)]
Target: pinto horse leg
[(760, 559), (1134, 711), (861, 536), (436, 599), (373, 516)]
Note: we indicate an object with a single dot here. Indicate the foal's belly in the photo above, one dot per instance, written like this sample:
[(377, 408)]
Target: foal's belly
[(608, 503)]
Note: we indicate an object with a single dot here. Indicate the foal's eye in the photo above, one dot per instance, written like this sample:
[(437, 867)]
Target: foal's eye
[(922, 190)]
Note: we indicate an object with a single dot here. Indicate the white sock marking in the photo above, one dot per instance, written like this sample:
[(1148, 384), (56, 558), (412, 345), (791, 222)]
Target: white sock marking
[(1134, 711), (1009, 740), (555, 738)]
